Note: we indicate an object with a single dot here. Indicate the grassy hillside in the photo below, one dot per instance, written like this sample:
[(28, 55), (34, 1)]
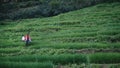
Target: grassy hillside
[(89, 37)]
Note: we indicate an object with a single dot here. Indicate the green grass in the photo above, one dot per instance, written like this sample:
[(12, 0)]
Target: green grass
[(105, 58), (62, 59), (26, 65), (66, 58), (55, 39)]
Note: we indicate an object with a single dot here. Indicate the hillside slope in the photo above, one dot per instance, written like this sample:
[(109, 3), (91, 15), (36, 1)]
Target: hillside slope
[(90, 35)]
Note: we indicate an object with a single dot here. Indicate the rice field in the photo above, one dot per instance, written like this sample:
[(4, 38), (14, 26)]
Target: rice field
[(86, 38)]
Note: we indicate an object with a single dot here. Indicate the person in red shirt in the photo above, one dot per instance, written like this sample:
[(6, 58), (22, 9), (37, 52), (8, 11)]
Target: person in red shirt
[(27, 39)]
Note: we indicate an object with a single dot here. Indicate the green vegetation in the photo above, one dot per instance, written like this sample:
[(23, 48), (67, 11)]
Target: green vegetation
[(105, 58), (26, 65), (22, 9), (62, 59), (86, 38)]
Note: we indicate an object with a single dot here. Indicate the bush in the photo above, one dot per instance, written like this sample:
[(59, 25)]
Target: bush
[(25, 13)]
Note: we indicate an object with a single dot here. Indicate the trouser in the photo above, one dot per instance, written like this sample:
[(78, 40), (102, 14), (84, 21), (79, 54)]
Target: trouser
[(27, 42)]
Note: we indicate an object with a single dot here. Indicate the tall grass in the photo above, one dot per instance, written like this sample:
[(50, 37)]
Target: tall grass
[(105, 58), (9, 50), (77, 45), (26, 65), (62, 59), (66, 58)]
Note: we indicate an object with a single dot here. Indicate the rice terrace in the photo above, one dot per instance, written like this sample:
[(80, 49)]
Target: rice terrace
[(84, 38)]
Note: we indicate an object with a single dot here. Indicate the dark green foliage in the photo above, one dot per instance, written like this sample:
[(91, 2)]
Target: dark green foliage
[(42, 8), (25, 13)]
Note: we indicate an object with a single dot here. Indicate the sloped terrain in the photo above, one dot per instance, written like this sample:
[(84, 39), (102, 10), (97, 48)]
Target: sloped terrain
[(89, 37)]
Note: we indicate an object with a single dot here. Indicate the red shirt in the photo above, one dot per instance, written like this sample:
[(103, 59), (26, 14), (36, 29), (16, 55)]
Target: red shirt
[(27, 37)]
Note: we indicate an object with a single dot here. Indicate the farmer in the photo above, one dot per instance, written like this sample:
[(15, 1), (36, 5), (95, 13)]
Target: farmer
[(27, 39)]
